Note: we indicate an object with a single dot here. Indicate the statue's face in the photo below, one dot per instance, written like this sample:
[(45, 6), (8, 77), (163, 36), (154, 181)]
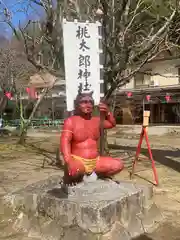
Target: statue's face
[(86, 104)]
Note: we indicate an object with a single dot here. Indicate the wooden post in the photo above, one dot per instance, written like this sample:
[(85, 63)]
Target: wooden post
[(102, 137), (146, 116), (144, 134), (102, 140)]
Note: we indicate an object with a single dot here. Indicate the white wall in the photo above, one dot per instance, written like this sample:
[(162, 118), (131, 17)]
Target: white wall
[(168, 72), (129, 85), (162, 72)]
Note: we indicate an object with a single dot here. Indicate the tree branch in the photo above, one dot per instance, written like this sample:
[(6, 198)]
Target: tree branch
[(152, 39)]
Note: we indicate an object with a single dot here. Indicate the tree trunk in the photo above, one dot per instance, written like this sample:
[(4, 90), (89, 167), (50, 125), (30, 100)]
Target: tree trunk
[(3, 104), (106, 145), (22, 136), (102, 135), (25, 126)]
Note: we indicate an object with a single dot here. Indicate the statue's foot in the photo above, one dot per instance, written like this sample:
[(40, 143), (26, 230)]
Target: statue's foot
[(70, 180), (92, 177), (106, 178)]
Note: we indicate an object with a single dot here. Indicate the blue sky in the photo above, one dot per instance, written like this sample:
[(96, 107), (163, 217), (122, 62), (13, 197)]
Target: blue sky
[(20, 12)]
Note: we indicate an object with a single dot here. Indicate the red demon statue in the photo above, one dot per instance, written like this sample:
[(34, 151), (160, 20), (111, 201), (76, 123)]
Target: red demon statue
[(79, 141)]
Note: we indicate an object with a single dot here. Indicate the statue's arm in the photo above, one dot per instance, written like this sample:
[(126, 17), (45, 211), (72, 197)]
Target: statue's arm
[(109, 121), (65, 140)]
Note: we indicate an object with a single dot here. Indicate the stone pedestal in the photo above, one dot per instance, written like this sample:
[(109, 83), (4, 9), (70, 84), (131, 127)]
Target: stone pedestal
[(101, 210)]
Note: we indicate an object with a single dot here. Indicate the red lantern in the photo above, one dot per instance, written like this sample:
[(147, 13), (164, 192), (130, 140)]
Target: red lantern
[(28, 90), (129, 94), (148, 97), (32, 92), (167, 97), (8, 95)]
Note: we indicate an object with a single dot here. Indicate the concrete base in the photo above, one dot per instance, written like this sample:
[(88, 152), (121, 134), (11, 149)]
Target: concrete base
[(102, 210)]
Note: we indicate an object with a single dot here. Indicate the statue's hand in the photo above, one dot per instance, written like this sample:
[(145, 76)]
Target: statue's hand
[(75, 167), (103, 108)]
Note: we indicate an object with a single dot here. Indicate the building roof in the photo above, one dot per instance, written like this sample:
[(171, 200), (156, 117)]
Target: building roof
[(42, 80)]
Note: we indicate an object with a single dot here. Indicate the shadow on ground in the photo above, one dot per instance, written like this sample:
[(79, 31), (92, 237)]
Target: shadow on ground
[(142, 237), (164, 157), (164, 232)]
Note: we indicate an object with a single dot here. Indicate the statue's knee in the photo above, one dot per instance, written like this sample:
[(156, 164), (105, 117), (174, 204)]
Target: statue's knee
[(119, 165)]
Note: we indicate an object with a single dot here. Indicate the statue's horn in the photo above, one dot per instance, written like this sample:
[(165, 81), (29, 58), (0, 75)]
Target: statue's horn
[(91, 93)]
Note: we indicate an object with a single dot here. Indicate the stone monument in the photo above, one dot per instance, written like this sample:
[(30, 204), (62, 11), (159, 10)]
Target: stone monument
[(101, 210)]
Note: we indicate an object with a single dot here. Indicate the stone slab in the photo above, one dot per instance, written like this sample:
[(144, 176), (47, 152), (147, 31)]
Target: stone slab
[(89, 210)]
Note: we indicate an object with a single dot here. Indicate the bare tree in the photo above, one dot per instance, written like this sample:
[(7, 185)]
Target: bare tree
[(14, 71), (135, 36)]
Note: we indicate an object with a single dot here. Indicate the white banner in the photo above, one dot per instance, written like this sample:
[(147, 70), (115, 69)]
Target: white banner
[(81, 57)]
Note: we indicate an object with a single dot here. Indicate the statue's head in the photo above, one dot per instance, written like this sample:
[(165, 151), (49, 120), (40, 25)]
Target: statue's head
[(84, 103)]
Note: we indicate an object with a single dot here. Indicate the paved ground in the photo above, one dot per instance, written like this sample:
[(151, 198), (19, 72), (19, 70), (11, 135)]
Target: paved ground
[(20, 166)]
